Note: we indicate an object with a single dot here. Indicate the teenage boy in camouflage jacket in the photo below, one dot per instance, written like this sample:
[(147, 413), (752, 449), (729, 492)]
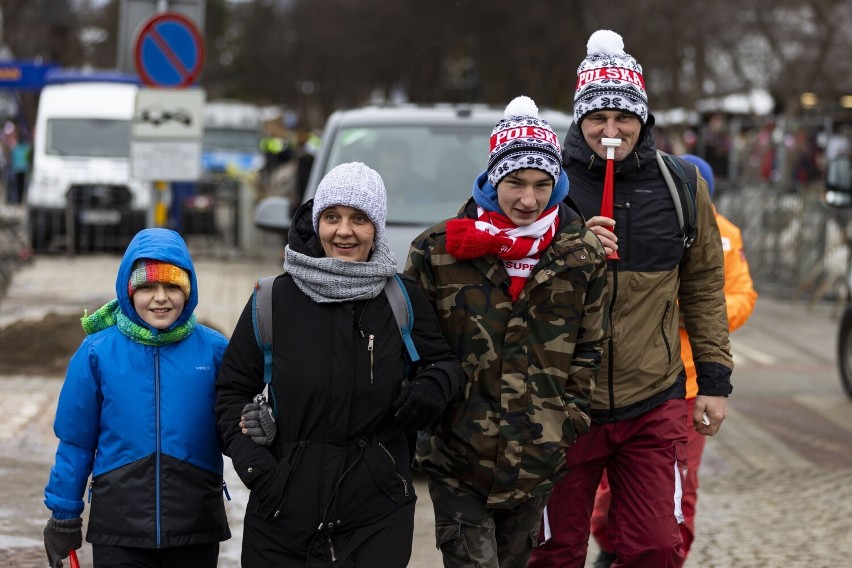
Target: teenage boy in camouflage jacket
[(519, 285)]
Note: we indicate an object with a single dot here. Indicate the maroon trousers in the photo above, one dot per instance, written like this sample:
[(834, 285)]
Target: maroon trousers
[(694, 450), (645, 460)]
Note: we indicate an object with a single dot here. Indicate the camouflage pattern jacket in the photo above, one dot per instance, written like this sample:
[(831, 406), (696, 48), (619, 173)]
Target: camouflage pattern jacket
[(531, 365)]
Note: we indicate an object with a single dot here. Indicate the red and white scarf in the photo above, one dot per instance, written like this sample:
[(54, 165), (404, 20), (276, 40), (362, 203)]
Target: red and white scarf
[(493, 233)]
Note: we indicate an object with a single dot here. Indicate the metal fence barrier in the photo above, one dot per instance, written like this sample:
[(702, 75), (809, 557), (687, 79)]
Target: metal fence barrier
[(14, 249), (796, 245)]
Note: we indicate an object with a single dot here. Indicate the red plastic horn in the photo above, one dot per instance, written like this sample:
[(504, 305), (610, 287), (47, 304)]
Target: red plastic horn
[(608, 189)]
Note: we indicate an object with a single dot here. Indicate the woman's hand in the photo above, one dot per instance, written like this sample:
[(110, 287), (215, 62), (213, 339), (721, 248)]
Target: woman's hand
[(420, 404), (257, 421)]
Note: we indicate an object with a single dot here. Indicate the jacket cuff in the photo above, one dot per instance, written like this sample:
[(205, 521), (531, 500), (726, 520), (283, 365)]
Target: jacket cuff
[(714, 379), (250, 460), (448, 375), (64, 516)]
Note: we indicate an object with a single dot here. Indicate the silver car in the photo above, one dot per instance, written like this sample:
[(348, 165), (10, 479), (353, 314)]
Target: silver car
[(428, 157)]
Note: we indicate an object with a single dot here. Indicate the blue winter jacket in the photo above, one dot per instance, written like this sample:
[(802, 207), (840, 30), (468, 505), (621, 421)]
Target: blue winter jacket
[(140, 420)]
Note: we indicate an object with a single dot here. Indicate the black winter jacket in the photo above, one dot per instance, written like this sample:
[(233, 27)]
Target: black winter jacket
[(332, 460)]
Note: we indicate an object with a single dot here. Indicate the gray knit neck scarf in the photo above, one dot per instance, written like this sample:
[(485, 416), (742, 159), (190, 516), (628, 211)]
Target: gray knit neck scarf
[(329, 280)]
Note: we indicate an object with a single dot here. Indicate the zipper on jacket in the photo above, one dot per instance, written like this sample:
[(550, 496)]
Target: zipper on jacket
[(370, 349), (159, 440), (611, 359), (393, 461), (626, 251), (225, 490), (663, 329), (91, 489), (294, 463)]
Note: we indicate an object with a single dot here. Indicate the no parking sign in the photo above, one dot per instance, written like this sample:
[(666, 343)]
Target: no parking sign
[(169, 51)]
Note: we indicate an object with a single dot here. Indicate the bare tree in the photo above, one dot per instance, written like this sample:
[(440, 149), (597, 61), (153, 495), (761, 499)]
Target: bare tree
[(324, 54), (41, 29)]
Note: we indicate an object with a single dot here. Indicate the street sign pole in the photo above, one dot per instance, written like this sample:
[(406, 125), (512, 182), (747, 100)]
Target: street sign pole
[(168, 53), (161, 203), (166, 134), (166, 143)]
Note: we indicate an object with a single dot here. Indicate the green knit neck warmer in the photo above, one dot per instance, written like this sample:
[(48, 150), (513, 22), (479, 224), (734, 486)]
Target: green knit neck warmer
[(110, 314)]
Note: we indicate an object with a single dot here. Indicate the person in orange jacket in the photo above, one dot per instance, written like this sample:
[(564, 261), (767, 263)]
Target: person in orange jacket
[(740, 297)]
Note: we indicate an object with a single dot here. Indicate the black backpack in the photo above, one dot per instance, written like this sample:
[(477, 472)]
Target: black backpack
[(682, 180)]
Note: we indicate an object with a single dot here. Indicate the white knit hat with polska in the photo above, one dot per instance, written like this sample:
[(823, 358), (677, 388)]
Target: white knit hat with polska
[(354, 185), (609, 79)]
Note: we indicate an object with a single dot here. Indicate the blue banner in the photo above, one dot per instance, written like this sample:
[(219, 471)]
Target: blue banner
[(23, 75)]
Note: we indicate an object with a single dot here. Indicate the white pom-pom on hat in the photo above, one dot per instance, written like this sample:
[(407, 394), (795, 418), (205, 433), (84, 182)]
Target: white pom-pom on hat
[(521, 106), (605, 41)]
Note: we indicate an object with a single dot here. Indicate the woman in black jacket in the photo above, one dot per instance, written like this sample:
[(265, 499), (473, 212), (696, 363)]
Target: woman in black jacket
[(332, 483)]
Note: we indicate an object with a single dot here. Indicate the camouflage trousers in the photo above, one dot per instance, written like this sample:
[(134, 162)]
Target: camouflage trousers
[(470, 535)]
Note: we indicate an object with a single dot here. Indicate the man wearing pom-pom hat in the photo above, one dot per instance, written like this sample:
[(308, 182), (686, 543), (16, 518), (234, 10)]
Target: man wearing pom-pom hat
[(638, 432), (519, 285)]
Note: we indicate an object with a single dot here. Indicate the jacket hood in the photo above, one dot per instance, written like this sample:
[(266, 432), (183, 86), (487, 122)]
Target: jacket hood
[(164, 245), (576, 149), (485, 194)]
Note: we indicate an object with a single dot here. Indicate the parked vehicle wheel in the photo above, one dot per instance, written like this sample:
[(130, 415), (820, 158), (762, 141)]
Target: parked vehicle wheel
[(40, 230), (844, 351)]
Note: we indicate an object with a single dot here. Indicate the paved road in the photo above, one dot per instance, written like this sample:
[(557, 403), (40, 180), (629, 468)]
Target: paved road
[(776, 483)]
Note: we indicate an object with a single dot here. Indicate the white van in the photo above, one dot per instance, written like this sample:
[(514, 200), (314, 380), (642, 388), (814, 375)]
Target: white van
[(81, 168), (427, 155)]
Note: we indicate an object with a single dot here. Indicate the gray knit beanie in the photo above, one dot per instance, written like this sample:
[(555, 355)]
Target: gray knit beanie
[(353, 185)]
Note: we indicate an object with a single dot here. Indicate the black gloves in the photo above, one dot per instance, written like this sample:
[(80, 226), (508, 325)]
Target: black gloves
[(420, 404), (61, 536), (257, 421)]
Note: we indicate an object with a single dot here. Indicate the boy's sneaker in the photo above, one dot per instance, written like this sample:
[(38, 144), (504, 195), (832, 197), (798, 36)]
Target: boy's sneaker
[(604, 559)]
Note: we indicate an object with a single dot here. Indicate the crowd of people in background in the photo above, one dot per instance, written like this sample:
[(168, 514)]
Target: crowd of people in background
[(789, 153), (288, 154)]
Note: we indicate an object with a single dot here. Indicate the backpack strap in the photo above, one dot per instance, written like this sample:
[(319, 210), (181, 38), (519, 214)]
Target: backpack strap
[(400, 304), (261, 319), (682, 187)]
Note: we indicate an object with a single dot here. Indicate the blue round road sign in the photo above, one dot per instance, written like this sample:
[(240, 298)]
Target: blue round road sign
[(169, 51)]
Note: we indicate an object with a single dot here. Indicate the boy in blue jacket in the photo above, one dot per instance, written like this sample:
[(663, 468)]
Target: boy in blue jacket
[(136, 412)]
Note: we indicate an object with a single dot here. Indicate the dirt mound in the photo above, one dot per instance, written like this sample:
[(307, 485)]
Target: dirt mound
[(40, 347)]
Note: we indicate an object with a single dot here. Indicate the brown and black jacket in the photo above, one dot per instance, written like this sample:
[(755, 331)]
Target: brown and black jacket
[(656, 282)]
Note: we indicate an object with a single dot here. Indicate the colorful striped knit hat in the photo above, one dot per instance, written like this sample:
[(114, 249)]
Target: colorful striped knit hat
[(146, 270)]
